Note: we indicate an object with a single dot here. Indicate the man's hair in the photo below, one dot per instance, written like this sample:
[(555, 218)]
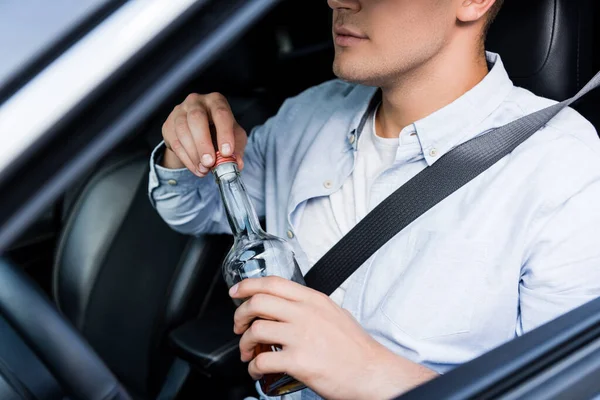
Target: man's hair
[(492, 14)]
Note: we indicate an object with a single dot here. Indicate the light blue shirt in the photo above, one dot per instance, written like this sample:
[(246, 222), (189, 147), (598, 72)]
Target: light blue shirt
[(516, 247)]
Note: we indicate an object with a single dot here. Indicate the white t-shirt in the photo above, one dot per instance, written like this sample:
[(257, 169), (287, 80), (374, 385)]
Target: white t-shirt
[(325, 220)]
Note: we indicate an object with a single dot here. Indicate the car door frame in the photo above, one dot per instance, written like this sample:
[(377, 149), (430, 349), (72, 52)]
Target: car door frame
[(113, 109), (560, 359)]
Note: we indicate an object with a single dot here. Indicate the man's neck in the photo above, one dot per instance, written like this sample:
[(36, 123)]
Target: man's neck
[(421, 92)]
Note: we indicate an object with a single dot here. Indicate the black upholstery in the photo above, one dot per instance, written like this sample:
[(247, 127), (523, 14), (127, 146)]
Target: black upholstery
[(81, 249), (546, 45), (209, 342), (210, 345), (124, 278), (58, 345)]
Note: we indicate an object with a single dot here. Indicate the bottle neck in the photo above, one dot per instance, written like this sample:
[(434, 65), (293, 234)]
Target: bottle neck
[(240, 212)]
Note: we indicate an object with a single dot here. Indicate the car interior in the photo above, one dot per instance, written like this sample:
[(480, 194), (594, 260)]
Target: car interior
[(150, 302)]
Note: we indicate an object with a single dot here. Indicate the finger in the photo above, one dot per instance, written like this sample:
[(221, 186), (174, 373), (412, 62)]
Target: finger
[(168, 128), (198, 122), (269, 362), (275, 286), (184, 135), (172, 142), (224, 121), (241, 139), (265, 307), (180, 152), (263, 332)]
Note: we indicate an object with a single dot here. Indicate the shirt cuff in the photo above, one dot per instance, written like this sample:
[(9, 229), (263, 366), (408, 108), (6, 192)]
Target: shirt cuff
[(172, 180)]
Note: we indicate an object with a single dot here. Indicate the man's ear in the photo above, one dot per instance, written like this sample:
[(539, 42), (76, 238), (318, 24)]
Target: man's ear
[(473, 10)]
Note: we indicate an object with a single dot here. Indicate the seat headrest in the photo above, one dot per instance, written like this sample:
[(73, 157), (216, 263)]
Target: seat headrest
[(546, 45)]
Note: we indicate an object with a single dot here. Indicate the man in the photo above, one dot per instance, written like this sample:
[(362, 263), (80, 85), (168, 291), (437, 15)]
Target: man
[(511, 250)]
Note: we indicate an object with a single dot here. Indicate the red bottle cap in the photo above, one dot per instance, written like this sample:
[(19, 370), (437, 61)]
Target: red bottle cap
[(222, 159)]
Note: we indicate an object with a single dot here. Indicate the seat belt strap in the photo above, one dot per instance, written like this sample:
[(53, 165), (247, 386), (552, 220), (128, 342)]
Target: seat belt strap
[(428, 188)]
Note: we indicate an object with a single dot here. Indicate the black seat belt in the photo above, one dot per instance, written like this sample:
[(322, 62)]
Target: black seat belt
[(432, 185)]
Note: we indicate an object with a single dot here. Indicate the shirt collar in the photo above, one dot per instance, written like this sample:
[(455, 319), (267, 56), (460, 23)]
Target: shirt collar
[(454, 124), (461, 120)]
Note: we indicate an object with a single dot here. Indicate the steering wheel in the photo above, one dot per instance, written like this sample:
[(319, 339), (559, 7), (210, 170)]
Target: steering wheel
[(58, 345)]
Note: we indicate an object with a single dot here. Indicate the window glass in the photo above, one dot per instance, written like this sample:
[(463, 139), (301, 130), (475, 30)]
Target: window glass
[(30, 27)]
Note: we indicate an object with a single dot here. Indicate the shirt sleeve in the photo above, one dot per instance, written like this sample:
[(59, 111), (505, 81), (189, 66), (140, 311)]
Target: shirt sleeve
[(562, 270), (192, 205)]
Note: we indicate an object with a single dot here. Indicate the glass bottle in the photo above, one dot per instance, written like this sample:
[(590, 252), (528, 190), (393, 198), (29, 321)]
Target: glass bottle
[(254, 254)]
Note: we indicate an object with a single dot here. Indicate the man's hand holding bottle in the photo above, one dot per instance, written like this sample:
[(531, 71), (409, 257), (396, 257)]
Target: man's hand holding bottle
[(187, 134)]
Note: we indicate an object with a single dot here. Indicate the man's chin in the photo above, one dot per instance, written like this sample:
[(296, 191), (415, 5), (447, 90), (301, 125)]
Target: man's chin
[(353, 74)]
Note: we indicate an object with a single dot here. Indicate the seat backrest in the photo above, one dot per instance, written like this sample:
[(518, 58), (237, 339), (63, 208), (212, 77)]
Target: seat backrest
[(551, 48), (546, 45), (124, 278)]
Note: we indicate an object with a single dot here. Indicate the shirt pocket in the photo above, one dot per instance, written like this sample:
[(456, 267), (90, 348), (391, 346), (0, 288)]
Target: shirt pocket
[(437, 294)]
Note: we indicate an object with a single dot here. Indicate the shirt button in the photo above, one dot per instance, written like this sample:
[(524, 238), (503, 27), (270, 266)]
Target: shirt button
[(328, 184), (290, 234), (352, 139), (172, 182), (433, 152)]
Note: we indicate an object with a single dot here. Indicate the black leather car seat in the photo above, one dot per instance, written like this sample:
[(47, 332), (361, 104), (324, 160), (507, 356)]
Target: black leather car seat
[(124, 278), (550, 47), (121, 275)]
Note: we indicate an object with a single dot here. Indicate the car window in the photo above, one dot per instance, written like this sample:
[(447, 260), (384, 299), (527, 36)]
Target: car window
[(28, 28), (66, 81)]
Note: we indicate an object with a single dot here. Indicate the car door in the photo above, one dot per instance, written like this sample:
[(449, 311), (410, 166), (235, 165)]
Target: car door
[(59, 69), (34, 33), (559, 360)]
